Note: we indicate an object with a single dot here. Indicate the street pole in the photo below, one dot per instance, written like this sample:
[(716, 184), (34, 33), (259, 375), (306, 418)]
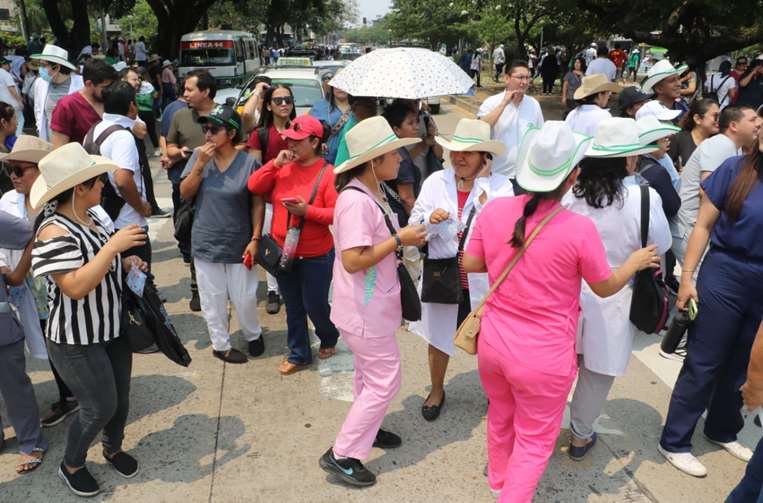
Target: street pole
[(24, 20), (541, 41)]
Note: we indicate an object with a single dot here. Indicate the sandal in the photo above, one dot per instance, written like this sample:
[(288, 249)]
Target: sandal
[(324, 353), (31, 464), (287, 367)]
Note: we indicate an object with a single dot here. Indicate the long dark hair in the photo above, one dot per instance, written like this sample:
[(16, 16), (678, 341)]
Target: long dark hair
[(600, 181), (583, 65), (518, 238), (744, 182), (6, 111), (266, 115), (698, 107)]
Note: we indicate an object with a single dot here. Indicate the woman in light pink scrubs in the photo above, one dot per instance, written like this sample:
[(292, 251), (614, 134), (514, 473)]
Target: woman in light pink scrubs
[(366, 293), (526, 348)]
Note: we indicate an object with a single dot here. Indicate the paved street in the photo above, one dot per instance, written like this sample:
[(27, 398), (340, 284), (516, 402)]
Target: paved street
[(216, 432)]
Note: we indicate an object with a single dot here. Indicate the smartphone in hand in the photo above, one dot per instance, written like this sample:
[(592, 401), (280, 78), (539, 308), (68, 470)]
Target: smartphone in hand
[(290, 200)]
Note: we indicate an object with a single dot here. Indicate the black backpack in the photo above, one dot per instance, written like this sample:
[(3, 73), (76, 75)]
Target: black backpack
[(110, 201)]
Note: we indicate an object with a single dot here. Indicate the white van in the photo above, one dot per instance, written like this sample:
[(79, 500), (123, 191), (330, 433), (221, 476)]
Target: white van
[(230, 56)]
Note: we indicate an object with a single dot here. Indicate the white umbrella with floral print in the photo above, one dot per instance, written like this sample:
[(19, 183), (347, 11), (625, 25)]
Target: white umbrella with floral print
[(402, 72)]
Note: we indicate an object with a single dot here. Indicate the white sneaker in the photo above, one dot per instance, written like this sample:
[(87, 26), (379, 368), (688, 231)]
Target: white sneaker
[(734, 448), (684, 461)]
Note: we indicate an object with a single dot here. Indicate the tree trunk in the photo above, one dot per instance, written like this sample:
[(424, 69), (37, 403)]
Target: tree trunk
[(79, 36), (174, 20)]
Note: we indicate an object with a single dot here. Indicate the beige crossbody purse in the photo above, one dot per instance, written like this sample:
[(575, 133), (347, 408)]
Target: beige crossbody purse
[(469, 331)]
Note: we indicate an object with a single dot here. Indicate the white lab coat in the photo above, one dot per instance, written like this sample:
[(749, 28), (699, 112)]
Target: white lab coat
[(13, 202), (40, 92), (438, 321), (605, 333)]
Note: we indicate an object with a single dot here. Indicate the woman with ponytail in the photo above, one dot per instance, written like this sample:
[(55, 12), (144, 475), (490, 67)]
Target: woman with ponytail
[(526, 348)]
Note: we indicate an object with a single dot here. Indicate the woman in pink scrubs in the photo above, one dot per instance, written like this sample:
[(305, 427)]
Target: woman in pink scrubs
[(526, 347), (366, 293)]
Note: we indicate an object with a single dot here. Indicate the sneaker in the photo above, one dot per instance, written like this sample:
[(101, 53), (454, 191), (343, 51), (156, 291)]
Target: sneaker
[(80, 482), (684, 461), (350, 470), (58, 412), (195, 304), (160, 213), (274, 303), (387, 440), (123, 463), (231, 356), (257, 346), (734, 448), (679, 355)]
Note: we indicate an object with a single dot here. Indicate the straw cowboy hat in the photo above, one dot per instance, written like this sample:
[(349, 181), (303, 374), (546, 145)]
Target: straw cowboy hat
[(595, 84), (656, 109), (618, 137), (660, 71), (27, 149), (64, 168), (56, 55), (652, 129), (547, 155), (472, 135), (369, 139)]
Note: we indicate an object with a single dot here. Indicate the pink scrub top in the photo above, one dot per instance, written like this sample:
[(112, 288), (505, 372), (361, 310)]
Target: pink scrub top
[(532, 317), (366, 302)]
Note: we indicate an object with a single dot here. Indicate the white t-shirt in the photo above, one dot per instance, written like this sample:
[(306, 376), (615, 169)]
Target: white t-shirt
[(476, 60), (499, 56), (589, 55), (722, 86), (585, 119), (6, 81), (510, 128), (602, 65), (120, 147), (140, 51)]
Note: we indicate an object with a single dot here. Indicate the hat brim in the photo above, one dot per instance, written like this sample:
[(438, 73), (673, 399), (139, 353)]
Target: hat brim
[(533, 182), (650, 82), (55, 60), (651, 136), (374, 153), (625, 151), (24, 156), (492, 146), (580, 93), (295, 135), (41, 193)]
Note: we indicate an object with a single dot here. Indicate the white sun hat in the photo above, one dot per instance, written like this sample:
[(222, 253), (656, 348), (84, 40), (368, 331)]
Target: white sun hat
[(651, 129), (659, 71), (64, 168), (472, 135), (119, 66), (548, 154), (656, 109), (369, 139), (618, 137), (56, 55)]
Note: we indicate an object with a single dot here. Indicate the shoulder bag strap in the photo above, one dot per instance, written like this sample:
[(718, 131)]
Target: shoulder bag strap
[(462, 241), (314, 192), (644, 214), (340, 123), (516, 258)]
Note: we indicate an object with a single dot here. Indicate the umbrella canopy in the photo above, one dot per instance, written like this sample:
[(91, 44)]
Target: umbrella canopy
[(403, 72)]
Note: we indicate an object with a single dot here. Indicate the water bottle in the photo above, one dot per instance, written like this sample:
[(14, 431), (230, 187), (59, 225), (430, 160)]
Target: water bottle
[(678, 326), (289, 248)]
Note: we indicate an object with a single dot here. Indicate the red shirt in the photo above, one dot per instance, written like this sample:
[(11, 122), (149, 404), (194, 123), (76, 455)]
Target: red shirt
[(73, 117), (292, 180), (618, 57), (462, 198), (276, 143)]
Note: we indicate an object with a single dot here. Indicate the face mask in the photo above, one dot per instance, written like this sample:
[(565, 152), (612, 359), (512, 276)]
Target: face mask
[(44, 75)]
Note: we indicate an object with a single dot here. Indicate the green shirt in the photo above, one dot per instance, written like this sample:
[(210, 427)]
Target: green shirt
[(342, 153)]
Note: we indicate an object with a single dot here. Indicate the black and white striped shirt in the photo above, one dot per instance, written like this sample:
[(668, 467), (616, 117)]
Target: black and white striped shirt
[(94, 318)]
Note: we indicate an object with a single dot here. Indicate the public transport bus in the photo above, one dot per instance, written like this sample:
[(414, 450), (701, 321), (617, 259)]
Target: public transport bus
[(230, 56)]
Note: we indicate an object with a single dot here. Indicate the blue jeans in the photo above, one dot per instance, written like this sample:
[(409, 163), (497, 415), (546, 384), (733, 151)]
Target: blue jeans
[(750, 488), (305, 291)]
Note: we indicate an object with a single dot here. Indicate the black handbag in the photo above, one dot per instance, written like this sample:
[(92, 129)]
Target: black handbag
[(441, 281), (650, 301), (133, 325)]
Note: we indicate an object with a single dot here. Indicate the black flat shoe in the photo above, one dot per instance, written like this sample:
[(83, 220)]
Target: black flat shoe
[(432, 412), (231, 356), (123, 463), (387, 440), (578, 453), (257, 346), (80, 482)]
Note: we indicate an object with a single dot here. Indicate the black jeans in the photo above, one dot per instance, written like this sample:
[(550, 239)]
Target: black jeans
[(150, 119), (99, 375)]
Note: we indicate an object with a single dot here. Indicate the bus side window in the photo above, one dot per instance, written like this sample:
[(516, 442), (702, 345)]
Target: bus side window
[(240, 54)]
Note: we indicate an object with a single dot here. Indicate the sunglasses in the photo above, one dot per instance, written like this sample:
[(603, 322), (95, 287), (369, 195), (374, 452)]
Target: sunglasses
[(17, 171), (211, 129), (283, 100)]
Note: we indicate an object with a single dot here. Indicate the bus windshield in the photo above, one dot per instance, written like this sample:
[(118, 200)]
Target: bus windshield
[(207, 57)]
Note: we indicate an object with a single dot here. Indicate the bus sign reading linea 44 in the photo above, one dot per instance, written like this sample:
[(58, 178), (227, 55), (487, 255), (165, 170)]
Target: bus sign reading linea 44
[(207, 44)]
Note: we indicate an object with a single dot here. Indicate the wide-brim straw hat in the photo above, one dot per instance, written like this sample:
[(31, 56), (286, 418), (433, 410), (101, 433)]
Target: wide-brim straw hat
[(56, 55), (548, 154), (618, 137), (595, 84), (472, 135), (659, 71), (369, 139), (652, 129), (27, 149), (64, 168), (656, 109)]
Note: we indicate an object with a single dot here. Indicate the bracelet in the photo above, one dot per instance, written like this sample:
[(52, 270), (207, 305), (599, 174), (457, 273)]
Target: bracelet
[(256, 238), (398, 241), (686, 270)]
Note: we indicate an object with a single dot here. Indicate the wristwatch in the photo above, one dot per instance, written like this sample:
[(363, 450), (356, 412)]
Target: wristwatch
[(398, 242)]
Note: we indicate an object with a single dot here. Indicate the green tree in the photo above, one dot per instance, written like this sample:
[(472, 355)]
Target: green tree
[(139, 22)]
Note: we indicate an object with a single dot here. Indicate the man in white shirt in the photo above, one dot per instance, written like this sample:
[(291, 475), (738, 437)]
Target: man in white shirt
[(509, 114), (590, 53), (499, 59), (9, 93), (120, 146), (140, 51), (722, 85), (57, 79), (739, 128), (602, 64)]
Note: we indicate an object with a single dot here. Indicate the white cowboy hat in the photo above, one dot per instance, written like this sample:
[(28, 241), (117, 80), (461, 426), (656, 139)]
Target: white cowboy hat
[(119, 66), (656, 109), (595, 84), (651, 129), (369, 139), (56, 55), (547, 155), (659, 71), (472, 135), (166, 62), (618, 137), (64, 168), (27, 149)]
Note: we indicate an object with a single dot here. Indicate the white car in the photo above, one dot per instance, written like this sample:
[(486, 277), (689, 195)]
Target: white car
[(305, 84)]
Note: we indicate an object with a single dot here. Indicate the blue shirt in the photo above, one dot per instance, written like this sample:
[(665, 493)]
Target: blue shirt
[(322, 111), (742, 236), (167, 115)]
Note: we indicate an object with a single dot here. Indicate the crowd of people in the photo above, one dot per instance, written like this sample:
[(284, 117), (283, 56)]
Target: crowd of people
[(351, 206)]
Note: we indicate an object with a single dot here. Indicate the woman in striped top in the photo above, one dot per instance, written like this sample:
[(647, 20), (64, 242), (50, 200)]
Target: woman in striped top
[(81, 262)]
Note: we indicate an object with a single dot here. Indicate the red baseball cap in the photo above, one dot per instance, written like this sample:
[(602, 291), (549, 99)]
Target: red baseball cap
[(303, 127)]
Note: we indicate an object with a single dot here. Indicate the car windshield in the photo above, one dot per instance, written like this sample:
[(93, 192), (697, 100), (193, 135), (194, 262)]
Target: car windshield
[(207, 57), (306, 92)]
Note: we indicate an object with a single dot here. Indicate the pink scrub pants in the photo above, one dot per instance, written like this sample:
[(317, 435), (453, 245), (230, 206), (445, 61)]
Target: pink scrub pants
[(376, 383), (523, 422)]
